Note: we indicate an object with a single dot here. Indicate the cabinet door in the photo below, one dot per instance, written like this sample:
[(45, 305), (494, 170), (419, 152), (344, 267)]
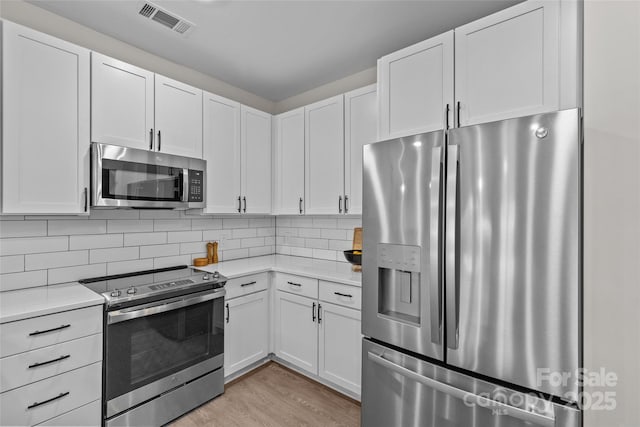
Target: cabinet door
[(415, 85), (360, 128), (324, 156), (45, 118), (289, 163), (121, 103), (221, 150), (296, 330), (255, 153), (340, 346), (178, 118), (246, 336), (507, 63)]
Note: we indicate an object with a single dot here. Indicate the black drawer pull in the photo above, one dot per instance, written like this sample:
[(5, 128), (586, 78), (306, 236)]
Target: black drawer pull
[(248, 284), (343, 295), (294, 284), (49, 330), (36, 404), (35, 365), (228, 313)]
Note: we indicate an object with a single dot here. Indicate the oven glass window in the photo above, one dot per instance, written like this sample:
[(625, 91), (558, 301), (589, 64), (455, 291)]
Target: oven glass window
[(145, 349), (140, 181)]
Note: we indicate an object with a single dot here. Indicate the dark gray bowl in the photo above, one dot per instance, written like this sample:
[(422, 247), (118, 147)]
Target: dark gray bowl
[(355, 259)]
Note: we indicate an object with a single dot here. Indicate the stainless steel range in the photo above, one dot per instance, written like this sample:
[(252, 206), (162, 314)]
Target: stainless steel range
[(163, 343)]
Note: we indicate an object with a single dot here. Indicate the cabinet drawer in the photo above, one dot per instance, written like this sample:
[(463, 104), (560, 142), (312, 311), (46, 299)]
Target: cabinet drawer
[(297, 285), (340, 294), (43, 400), (43, 331), (35, 365), (87, 415), (246, 285)]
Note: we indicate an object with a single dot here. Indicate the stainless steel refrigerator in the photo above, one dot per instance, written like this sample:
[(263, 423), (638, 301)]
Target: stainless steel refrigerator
[(472, 276)]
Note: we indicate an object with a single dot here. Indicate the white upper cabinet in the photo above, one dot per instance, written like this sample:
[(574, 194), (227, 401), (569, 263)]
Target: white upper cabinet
[(360, 119), (121, 103), (507, 64), (415, 85), (136, 108), (255, 152), (324, 156), (289, 163), (178, 118), (221, 150), (45, 123)]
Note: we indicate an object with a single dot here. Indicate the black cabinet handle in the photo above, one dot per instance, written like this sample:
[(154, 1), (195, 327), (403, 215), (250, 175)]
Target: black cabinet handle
[(247, 284), (339, 204), (446, 117), (86, 199), (343, 295), (300, 205), (49, 330), (294, 284), (313, 313), (239, 204), (159, 141), (228, 313), (458, 113), (35, 365), (346, 204), (151, 139), (319, 313), (36, 404), (244, 200)]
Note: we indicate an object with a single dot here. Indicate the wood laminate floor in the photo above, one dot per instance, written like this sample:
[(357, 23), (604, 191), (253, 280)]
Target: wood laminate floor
[(274, 396)]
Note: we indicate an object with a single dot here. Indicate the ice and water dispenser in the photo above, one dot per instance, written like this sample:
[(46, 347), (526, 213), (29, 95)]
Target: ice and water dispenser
[(399, 282)]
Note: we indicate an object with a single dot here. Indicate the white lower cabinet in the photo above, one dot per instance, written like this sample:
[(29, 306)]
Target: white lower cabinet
[(320, 337), (246, 331)]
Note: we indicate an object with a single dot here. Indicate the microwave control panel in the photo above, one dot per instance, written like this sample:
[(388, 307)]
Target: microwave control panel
[(196, 185)]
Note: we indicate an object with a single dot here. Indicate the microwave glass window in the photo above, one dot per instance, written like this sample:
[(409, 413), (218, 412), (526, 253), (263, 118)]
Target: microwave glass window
[(139, 181)]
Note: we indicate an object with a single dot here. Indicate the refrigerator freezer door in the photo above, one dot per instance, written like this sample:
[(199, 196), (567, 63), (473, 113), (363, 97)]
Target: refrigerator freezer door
[(400, 390), (401, 287), (513, 286)]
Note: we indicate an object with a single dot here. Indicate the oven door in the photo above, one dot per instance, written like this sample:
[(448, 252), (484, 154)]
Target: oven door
[(153, 348)]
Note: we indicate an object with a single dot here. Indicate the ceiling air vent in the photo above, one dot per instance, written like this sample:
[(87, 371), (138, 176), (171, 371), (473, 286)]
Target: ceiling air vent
[(168, 19)]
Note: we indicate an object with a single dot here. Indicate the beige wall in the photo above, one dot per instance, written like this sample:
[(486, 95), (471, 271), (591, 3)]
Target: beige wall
[(612, 204), (39, 19)]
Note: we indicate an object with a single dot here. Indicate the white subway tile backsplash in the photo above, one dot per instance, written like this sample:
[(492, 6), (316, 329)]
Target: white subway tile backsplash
[(333, 233), (72, 274), (56, 259), (235, 223), (171, 224), (319, 222), (77, 226), (309, 232), (287, 231), (33, 245), (241, 233), (294, 241), (261, 250), (154, 251), (349, 223), (324, 254), (27, 279), (298, 251), (171, 261), (11, 264), (198, 249), (251, 242), (95, 241), (121, 267), (23, 228), (206, 224), (283, 250), (184, 236), (340, 245), (141, 239), (114, 214), (268, 231), (260, 222), (224, 245), (160, 214), (113, 254), (219, 235), (129, 226), (316, 243), (234, 254), (270, 241)]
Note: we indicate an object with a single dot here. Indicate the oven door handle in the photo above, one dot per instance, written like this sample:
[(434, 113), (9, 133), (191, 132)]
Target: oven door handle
[(124, 315)]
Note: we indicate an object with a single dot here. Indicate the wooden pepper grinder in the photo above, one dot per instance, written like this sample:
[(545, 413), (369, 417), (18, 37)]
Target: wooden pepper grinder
[(212, 252)]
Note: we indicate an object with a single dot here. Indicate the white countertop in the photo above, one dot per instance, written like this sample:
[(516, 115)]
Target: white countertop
[(319, 269), (25, 303)]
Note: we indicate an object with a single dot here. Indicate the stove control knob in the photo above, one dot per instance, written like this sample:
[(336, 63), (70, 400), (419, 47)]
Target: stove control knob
[(206, 276), (116, 293), (132, 290), (216, 274)]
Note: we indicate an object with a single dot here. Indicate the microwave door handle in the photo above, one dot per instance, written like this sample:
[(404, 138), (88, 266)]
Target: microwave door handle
[(123, 315), (185, 185)]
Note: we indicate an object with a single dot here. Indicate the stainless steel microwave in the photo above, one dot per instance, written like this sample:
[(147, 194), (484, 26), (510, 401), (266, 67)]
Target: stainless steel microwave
[(132, 178)]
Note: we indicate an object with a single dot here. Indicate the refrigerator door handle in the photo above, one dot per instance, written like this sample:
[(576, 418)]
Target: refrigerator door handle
[(434, 220), (450, 250), (468, 397)]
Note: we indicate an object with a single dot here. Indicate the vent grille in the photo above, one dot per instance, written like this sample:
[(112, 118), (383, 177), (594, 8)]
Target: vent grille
[(167, 19)]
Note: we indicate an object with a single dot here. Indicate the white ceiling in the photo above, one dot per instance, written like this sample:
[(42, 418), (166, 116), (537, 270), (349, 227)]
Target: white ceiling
[(277, 49)]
